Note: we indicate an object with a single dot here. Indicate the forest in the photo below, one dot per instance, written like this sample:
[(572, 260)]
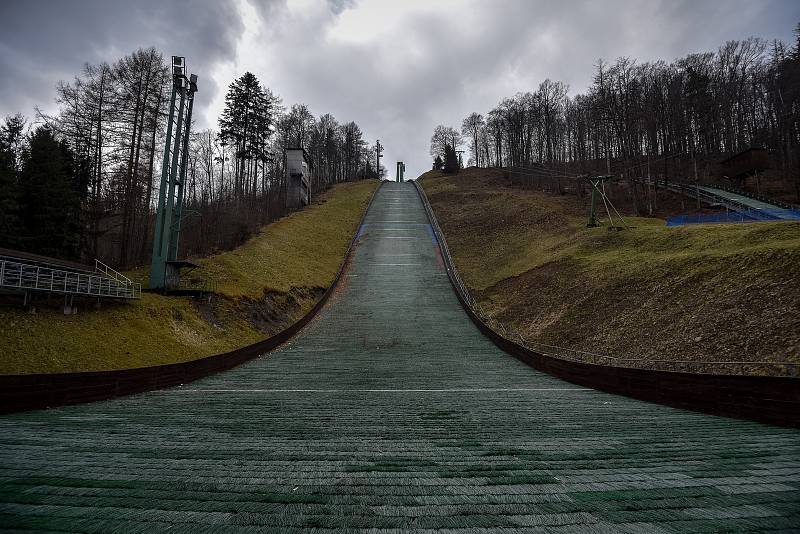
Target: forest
[(82, 183), (669, 119)]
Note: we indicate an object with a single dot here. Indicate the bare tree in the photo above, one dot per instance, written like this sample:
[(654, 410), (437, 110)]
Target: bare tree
[(472, 127)]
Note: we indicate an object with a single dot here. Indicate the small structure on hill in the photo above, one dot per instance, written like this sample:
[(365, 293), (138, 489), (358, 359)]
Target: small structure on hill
[(598, 185), (401, 169), (298, 188), (745, 164)]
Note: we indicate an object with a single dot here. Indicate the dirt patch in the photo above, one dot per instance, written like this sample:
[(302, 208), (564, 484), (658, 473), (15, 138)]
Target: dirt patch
[(206, 308), (650, 316), (268, 315), (276, 310)]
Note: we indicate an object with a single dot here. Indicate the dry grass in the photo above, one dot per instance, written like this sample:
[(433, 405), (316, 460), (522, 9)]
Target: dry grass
[(702, 293)]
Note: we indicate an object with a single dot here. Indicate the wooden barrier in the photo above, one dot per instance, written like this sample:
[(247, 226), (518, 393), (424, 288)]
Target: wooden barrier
[(35, 391), (774, 400)]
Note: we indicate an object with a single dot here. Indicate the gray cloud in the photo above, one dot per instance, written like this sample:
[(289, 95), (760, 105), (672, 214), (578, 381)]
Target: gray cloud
[(436, 66), (337, 6), (46, 41), (407, 68)]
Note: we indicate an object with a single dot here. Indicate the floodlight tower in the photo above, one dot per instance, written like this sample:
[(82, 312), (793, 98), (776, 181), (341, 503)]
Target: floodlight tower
[(175, 228), (173, 175), (378, 153)]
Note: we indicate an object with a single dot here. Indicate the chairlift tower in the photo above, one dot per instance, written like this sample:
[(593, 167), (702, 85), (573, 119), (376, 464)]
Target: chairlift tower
[(165, 268), (598, 189)]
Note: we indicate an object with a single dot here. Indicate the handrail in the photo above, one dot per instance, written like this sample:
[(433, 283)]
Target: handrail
[(22, 276), (101, 267), (694, 190), (741, 192), (135, 287)]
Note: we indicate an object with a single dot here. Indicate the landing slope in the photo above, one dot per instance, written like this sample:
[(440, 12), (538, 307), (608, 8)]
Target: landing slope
[(391, 411), (263, 286), (707, 293)]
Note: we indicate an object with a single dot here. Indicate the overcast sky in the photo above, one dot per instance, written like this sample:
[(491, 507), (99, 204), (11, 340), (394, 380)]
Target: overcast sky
[(397, 68)]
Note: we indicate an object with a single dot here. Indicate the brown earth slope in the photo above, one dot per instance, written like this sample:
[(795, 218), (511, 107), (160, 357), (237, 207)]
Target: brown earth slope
[(703, 294)]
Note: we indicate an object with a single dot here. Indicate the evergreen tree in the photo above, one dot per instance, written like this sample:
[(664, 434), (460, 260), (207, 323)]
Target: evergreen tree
[(438, 163), (10, 150), (450, 160), (52, 186), (245, 123)]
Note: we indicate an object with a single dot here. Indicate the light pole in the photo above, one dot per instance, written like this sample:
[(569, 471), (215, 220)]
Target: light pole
[(378, 152)]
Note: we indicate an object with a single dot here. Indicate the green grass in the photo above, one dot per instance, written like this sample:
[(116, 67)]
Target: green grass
[(700, 293), (302, 251), (153, 331)]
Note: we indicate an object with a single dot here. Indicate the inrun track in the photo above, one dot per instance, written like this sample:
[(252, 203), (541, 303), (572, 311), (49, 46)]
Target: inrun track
[(391, 411)]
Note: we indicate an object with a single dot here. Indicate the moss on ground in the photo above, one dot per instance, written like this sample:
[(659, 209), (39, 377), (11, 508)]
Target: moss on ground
[(263, 285), (704, 293)]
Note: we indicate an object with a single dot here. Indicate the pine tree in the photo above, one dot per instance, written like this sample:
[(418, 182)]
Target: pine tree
[(450, 160), (438, 163), (245, 123), (52, 184), (10, 145)]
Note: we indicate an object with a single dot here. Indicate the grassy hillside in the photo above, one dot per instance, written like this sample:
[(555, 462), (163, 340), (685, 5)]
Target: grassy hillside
[(263, 286), (706, 293)]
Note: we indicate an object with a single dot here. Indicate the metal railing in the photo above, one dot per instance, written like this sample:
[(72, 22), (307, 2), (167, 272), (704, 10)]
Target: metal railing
[(754, 196), (697, 191), (101, 267), (775, 368), (21, 276)]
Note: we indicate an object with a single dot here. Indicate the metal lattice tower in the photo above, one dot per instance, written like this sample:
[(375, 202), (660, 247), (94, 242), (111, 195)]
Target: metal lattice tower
[(173, 176)]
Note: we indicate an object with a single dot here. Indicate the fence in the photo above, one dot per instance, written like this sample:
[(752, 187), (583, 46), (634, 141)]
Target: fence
[(19, 276)]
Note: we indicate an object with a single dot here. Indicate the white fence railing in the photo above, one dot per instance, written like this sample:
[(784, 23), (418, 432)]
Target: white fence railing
[(27, 277), (101, 267)]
